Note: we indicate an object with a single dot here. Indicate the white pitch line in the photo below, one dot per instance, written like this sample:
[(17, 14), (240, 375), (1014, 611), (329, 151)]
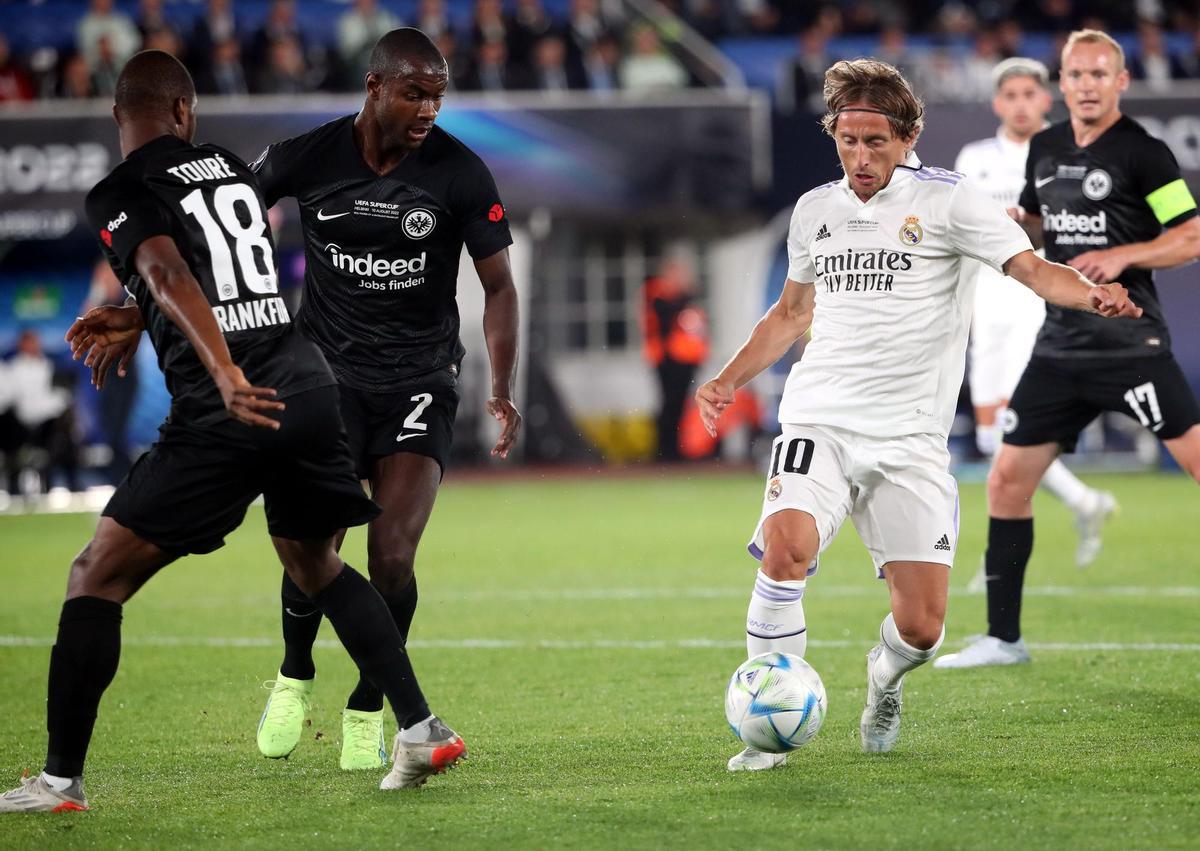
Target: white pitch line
[(815, 589), (597, 644)]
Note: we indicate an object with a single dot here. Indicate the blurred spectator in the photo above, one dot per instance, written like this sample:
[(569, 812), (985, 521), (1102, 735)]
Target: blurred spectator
[(1151, 62), (223, 73), (861, 17), (710, 18), (490, 71), (586, 22), (893, 49), (165, 40), (601, 64), (11, 435), (447, 43), (151, 18), (1009, 38), (107, 68), (648, 67), (75, 80), (552, 72), (1047, 15), (120, 393), (1190, 59), (358, 30), (759, 16), (800, 86), (215, 26), (102, 21), (489, 24), (675, 343), (285, 71), (279, 25), (14, 82), (43, 400), (433, 20), (976, 83), (530, 24)]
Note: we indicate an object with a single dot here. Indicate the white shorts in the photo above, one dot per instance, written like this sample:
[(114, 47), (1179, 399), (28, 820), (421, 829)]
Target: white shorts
[(1001, 344), (897, 491)]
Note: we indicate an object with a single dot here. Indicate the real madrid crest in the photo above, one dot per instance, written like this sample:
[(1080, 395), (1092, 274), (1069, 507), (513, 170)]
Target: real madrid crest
[(774, 490), (911, 231)]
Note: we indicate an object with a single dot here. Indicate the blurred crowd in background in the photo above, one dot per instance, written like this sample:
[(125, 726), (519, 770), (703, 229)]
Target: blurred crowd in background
[(947, 46)]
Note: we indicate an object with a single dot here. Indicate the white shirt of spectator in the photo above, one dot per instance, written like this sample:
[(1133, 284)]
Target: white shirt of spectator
[(997, 166), (889, 329), (35, 398)]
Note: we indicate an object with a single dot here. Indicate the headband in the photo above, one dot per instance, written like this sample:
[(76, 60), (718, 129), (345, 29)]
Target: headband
[(886, 115)]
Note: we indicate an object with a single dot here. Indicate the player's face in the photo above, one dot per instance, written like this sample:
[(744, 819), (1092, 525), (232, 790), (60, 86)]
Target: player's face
[(408, 106), (869, 150), (1021, 105), (1092, 81)]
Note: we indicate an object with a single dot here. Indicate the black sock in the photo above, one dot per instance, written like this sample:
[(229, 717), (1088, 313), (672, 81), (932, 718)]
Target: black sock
[(301, 620), (83, 662), (365, 627), (366, 697), (1010, 543)]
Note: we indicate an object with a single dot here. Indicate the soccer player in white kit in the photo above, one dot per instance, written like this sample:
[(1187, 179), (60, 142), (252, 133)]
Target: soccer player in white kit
[(874, 262), (1008, 316)]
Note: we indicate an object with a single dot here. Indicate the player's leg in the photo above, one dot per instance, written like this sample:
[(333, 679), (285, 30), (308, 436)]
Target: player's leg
[(405, 486), (83, 661), (909, 636), (1186, 451), (806, 481)]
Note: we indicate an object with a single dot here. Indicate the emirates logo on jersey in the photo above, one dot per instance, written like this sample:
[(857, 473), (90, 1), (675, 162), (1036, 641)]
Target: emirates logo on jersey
[(418, 223)]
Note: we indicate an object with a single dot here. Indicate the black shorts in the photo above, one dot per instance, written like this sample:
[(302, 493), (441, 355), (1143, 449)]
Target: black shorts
[(1057, 397), (193, 487), (417, 418)]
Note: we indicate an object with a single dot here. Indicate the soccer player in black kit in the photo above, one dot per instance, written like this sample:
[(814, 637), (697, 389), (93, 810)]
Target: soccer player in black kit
[(387, 200), (253, 411), (1106, 198)]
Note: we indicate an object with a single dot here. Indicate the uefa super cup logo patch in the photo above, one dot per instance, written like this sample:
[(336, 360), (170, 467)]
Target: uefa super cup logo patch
[(418, 223), (911, 232)]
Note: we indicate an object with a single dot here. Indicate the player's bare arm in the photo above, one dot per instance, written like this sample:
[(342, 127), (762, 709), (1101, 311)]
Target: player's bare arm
[(178, 293), (500, 313), (781, 326), (106, 336), (1066, 287), (1175, 246), (1030, 223)]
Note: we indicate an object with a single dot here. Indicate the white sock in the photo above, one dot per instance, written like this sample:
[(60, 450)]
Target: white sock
[(1064, 484), (418, 732), (775, 619), (899, 657), (986, 438), (58, 784)]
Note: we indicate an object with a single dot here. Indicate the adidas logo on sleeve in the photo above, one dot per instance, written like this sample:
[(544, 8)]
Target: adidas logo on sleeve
[(823, 233)]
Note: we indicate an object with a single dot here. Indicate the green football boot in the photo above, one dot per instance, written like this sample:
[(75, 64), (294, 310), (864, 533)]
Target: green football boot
[(282, 720), (362, 740)]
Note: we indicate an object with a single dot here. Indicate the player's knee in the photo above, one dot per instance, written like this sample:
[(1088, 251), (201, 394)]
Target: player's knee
[(786, 560), (1006, 490), (94, 574), (391, 572)]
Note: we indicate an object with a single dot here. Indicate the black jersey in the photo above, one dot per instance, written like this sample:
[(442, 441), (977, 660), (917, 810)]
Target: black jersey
[(382, 252), (1124, 187), (206, 200)]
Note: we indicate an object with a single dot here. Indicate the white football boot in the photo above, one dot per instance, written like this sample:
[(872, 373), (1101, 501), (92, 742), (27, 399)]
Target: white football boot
[(985, 650), (880, 723), (1089, 523), (752, 759)]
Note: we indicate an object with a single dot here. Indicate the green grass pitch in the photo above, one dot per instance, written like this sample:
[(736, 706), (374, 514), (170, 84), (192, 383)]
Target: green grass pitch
[(579, 634)]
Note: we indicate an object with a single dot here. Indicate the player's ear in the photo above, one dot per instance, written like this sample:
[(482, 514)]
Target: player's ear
[(1123, 80), (374, 85)]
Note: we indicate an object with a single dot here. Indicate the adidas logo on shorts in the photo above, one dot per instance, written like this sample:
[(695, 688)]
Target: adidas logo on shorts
[(943, 544), (823, 233)]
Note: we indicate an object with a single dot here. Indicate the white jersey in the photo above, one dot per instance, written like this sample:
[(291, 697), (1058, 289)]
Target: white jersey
[(889, 330), (997, 166)]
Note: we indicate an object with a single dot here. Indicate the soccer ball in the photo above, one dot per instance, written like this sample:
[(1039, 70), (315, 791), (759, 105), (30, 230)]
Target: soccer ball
[(775, 702)]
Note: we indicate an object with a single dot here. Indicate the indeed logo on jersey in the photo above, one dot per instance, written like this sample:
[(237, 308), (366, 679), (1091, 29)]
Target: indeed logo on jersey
[(379, 267), (861, 271), (1075, 228)]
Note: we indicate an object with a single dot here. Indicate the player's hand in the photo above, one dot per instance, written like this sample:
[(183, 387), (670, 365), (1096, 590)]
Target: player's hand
[(102, 358), (103, 326), (1099, 267), (244, 402), (509, 417), (713, 398), (1017, 214), (1112, 300)]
